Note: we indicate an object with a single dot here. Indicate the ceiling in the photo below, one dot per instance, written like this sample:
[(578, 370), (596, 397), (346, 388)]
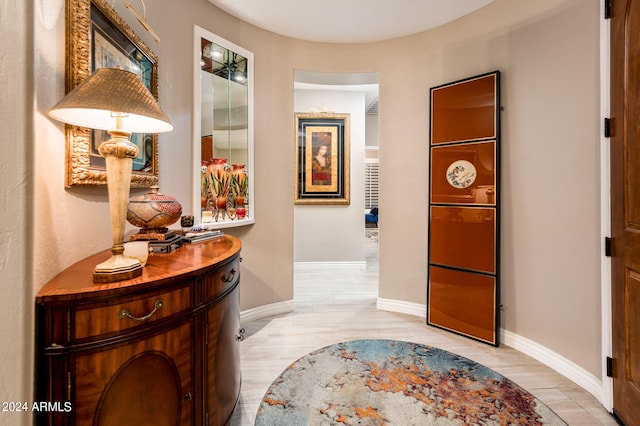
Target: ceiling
[(351, 21)]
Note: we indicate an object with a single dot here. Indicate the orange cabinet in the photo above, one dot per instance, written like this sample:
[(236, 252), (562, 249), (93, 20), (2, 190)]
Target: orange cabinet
[(464, 208)]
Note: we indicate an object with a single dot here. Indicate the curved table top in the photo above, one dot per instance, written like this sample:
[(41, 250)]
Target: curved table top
[(191, 259)]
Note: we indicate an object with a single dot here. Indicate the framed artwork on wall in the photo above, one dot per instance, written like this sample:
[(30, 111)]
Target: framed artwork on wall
[(98, 37), (322, 152)]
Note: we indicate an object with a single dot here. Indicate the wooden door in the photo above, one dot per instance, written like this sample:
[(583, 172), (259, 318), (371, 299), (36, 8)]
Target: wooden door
[(625, 207)]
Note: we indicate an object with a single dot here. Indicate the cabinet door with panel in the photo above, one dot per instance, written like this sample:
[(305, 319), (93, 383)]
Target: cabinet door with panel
[(145, 382), (222, 349)]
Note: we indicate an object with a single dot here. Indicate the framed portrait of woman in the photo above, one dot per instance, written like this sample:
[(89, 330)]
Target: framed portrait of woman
[(322, 158)]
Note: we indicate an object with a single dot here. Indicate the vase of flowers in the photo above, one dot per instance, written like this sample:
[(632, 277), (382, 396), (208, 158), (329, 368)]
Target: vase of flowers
[(239, 184), (204, 184), (219, 181)]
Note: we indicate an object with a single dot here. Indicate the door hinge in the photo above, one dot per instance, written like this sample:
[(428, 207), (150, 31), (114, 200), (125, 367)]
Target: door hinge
[(607, 246), (607, 127), (609, 366), (607, 9)]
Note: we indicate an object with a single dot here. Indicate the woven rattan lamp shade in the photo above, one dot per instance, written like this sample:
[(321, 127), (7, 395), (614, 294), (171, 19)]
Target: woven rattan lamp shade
[(107, 91)]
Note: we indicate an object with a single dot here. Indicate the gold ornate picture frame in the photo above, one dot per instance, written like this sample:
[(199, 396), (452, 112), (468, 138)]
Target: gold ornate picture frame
[(96, 36), (322, 152)]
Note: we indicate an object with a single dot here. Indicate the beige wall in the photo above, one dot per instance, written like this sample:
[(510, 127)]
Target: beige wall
[(16, 154), (550, 229), (548, 55), (550, 218)]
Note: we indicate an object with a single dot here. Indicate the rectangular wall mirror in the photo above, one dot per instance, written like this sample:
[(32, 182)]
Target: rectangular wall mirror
[(223, 132)]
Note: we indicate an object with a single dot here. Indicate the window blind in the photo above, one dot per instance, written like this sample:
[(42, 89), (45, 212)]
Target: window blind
[(371, 184)]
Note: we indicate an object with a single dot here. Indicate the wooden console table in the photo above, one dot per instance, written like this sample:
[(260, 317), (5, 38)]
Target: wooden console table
[(159, 349)]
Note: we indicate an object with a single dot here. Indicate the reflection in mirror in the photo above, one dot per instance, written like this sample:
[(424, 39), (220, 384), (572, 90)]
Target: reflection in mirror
[(223, 145)]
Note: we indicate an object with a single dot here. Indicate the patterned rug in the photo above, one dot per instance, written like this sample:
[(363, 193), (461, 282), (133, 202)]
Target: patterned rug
[(389, 382), (372, 234)]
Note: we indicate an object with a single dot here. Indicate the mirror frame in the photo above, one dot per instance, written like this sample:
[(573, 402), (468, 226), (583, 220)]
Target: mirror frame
[(79, 58), (200, 33)]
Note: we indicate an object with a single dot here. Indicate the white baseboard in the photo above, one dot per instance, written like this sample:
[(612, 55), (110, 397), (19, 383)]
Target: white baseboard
[(552, 359), (546, 356), (267, 311), (315, 265), (402, 307)]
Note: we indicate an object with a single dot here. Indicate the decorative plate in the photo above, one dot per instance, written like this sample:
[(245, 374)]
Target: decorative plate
[(461, 174)]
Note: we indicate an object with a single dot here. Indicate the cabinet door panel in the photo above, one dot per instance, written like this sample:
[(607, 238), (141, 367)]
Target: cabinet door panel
[(147, 382), (223, 355), (465, 110), (463, 238), (463, 302), (151, 376)]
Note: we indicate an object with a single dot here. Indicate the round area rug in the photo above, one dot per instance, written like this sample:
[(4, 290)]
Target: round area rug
[(389, 382)]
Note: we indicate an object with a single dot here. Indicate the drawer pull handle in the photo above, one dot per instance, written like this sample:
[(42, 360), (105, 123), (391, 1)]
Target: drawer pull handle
[(229, 278), (124, 313)]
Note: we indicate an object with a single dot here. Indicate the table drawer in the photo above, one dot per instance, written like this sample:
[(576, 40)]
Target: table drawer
[(129, 313), (221, 280)]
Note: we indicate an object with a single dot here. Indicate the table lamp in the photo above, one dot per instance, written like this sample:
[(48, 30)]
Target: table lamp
[(117, 101)]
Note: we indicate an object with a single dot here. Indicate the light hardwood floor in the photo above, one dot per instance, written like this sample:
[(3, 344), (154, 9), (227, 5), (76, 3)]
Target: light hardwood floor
[(339, 304)]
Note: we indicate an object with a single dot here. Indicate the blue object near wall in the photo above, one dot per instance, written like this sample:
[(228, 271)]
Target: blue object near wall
[(372, 216)]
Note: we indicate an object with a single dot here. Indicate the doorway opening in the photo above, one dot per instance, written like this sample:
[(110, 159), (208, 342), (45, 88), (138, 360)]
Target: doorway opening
[(335, 253)]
